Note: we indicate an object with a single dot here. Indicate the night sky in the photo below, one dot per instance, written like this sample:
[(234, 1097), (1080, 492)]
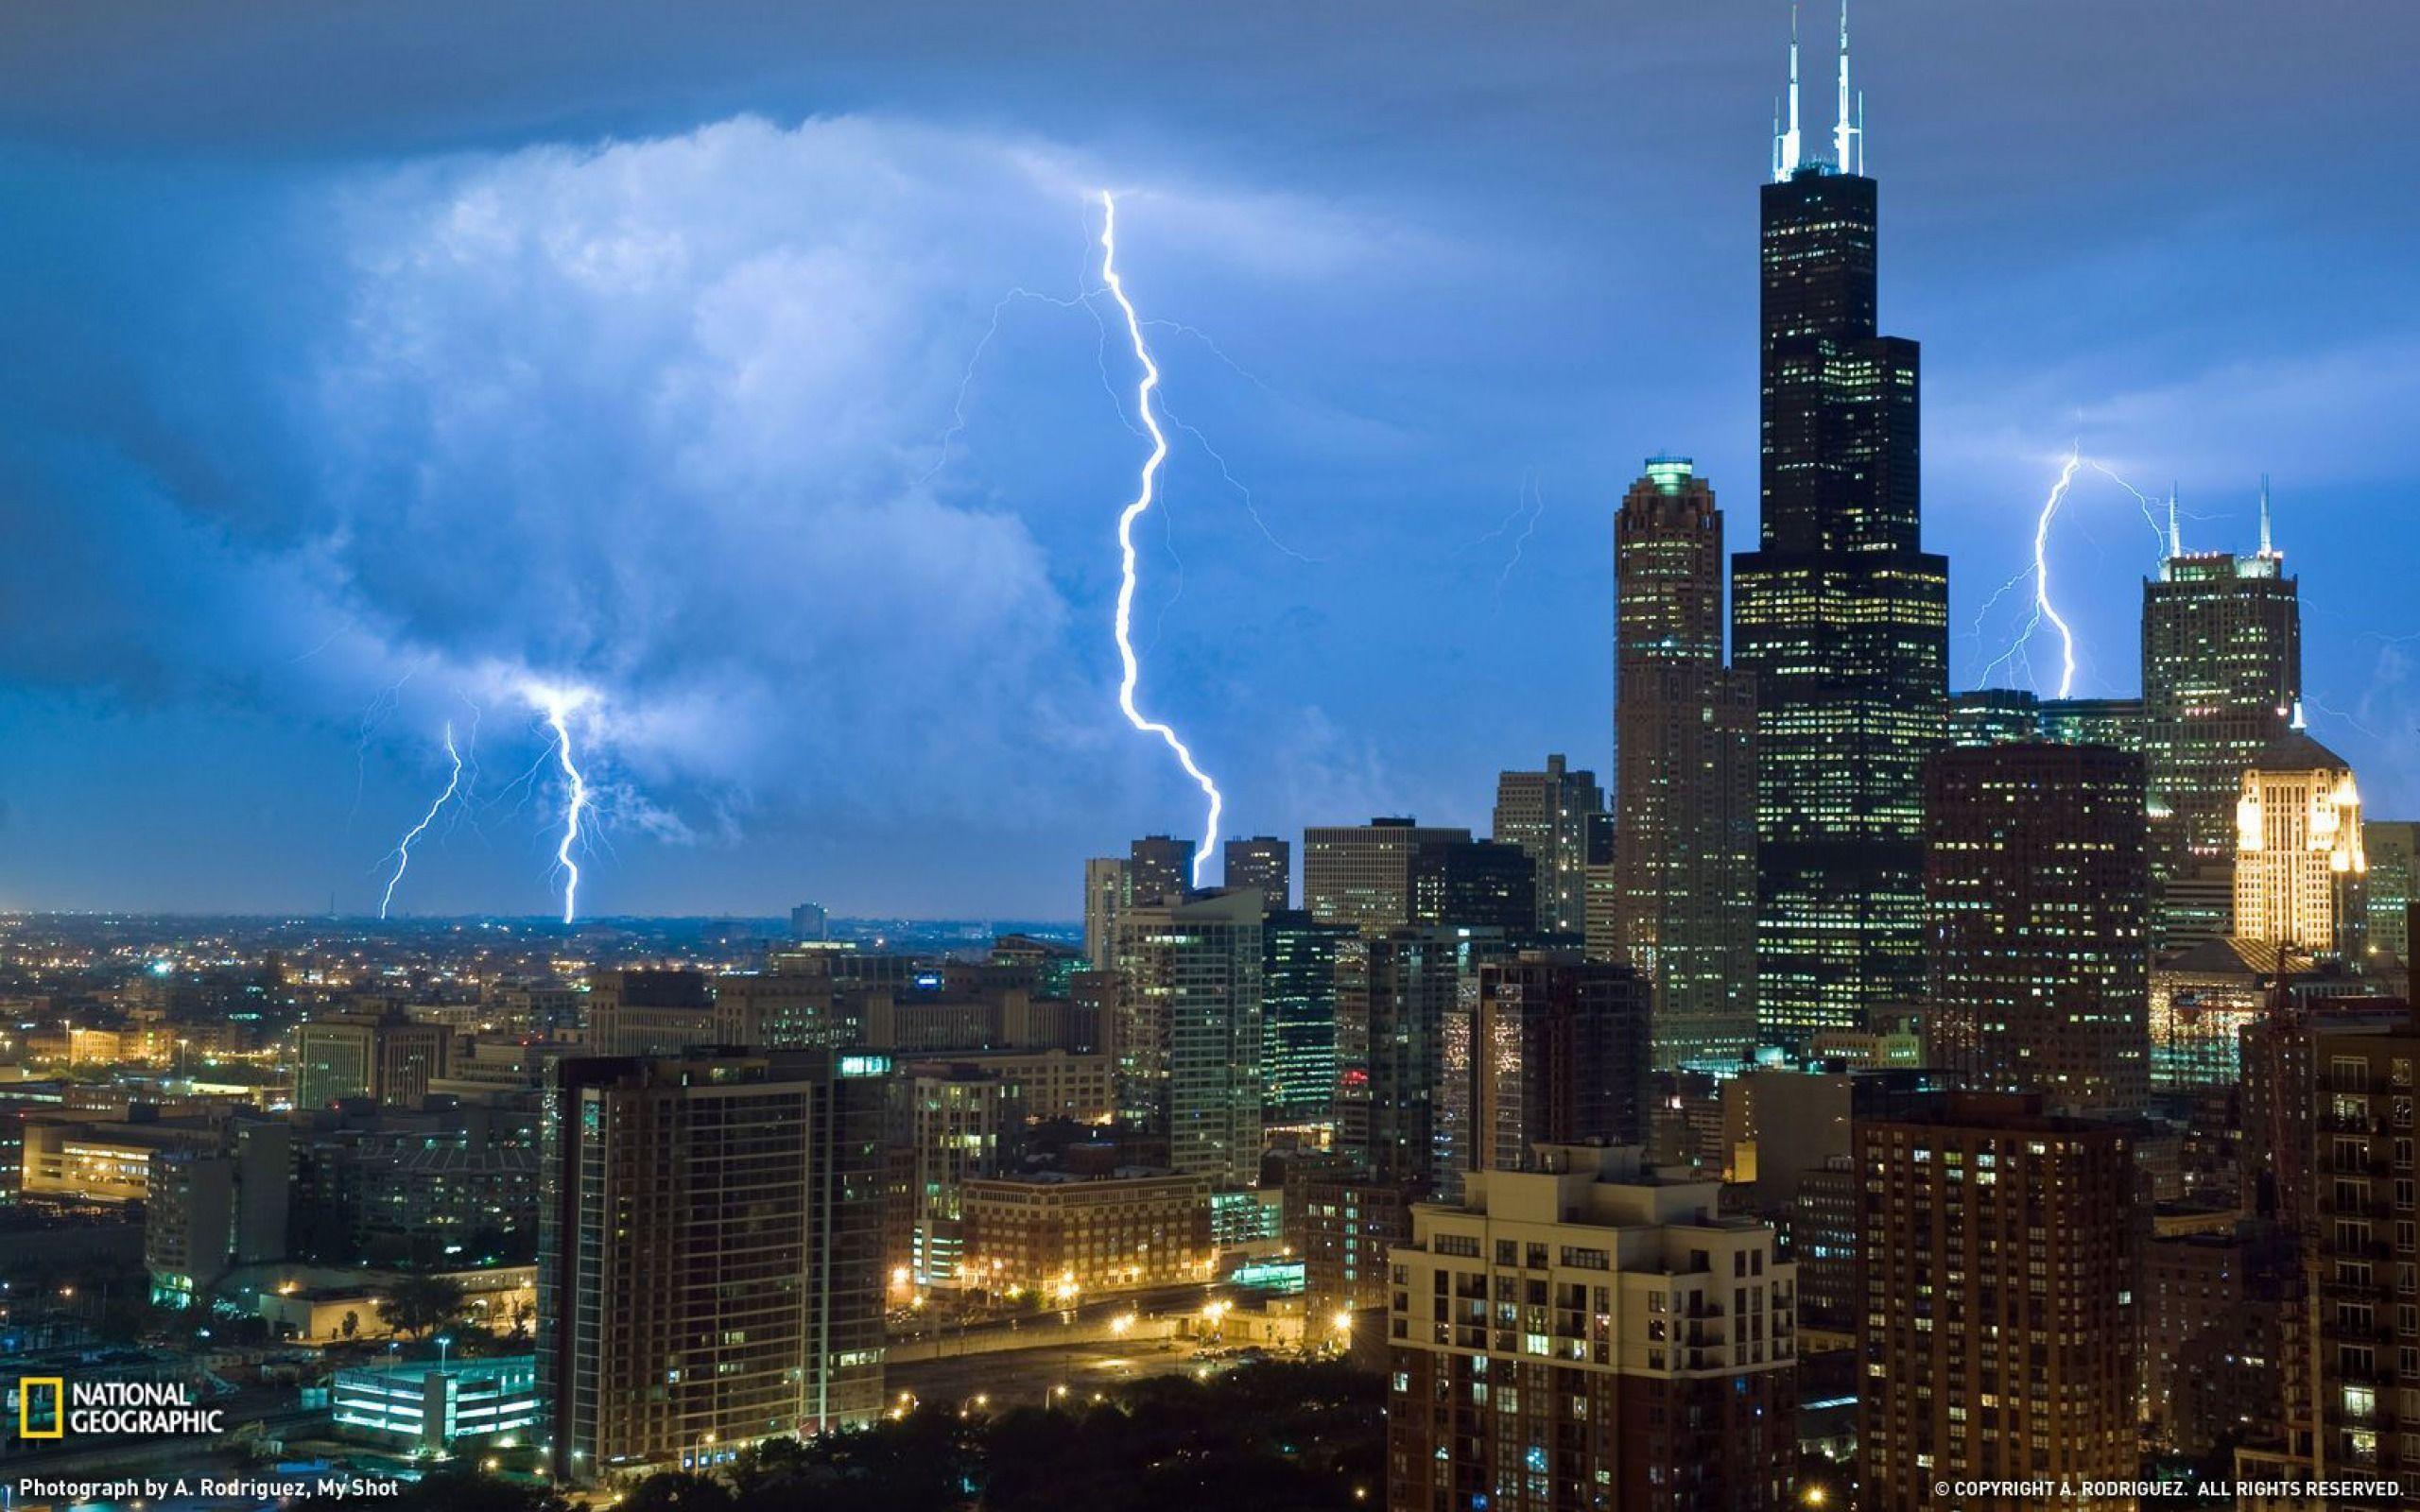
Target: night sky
[(366, 364)]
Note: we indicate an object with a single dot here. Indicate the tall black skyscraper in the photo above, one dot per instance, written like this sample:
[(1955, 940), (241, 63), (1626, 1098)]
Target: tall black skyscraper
[(1841, 614)]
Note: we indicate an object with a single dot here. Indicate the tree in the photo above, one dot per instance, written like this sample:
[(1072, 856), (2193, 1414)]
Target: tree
[(351, 1324), (419, 1305)]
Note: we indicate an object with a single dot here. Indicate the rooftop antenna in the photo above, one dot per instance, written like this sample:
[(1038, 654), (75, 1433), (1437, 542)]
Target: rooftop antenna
[(1786, 143), (2175, 536), (1844, 135), (2265, 548), (1860, 133)]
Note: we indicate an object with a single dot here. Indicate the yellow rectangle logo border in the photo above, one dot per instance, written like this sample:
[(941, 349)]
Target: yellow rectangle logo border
[(26, 1385)]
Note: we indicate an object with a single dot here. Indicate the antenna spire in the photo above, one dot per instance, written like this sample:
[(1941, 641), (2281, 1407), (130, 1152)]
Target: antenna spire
[(1786, 143), (1844, 135), (2175, 536), (2265, 549)]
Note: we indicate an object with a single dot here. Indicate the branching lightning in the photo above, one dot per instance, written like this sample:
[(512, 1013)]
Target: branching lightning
[(1131, 670), (558, 705), (403, 851)]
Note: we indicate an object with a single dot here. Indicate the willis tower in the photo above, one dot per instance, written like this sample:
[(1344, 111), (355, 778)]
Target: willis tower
[(1841, 614)]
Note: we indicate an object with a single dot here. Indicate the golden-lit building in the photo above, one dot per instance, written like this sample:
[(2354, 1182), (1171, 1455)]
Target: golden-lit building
[(2299, 865), (1063, 1234)]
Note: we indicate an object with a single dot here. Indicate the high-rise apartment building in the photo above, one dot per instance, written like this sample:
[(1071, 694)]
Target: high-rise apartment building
[(1190, 1030), (2222, 669), (1396, 993), (1560, 1053), (1104, 899), (1362, 874), (1685, 738), (1999, 1249), (1546, 813), (709, 1255), (1265, 864), (2036, 901), (1841, 614), (1585, 1335), (961, 1120), (2300, 869)]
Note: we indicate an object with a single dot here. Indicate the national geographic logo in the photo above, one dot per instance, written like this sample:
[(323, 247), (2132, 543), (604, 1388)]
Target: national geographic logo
[(47, 1407)]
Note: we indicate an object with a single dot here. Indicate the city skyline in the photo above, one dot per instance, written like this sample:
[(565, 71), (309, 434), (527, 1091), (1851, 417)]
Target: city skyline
[(238, 620)]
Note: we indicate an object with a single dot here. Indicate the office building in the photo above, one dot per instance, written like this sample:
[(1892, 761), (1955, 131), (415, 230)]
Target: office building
[(1190, 1030), (386, 1056), (2222, 669), (2300, 871), (647, 1011), (2037, 902), (1474, 884), (2202, 1000), (1159, 869), (1840, 614), (2392, 847), (1298, 1029), (1266, 865), (1587, 1336), (1684, 904), (1362, 874), (1546, 813), (810, 922), (1560, 1056), (1999, 1249), (709, 1255)]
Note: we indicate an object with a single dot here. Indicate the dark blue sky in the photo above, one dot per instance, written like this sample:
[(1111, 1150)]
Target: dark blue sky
[(366, 364)]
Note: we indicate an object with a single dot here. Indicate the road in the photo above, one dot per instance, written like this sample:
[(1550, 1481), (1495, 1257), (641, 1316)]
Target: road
[(1033, 1377)]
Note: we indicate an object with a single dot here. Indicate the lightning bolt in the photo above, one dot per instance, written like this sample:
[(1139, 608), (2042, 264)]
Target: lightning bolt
[(403, 851), (2042, 607), (1146, 490), (557, 705)]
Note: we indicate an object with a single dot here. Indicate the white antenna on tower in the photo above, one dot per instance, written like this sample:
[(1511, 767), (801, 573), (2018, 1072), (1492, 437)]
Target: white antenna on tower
[(1860, 133), (2265, 549), (1786, 143), (2175, 536), (1844, 135)]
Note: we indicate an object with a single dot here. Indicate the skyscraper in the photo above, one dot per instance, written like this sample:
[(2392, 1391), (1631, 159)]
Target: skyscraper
[(1998, 1249), (2036, 903), (1104, 897), (1190, 1027), (1474, 884), (1841, 614), (1561, 1056), (709, 1255), (1546, 813), (1298, 1035), (2392, 847), (2299, 866), (1266, 863), (1685, 738), (1395, 992), (1362, 874), (2222, 669)]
